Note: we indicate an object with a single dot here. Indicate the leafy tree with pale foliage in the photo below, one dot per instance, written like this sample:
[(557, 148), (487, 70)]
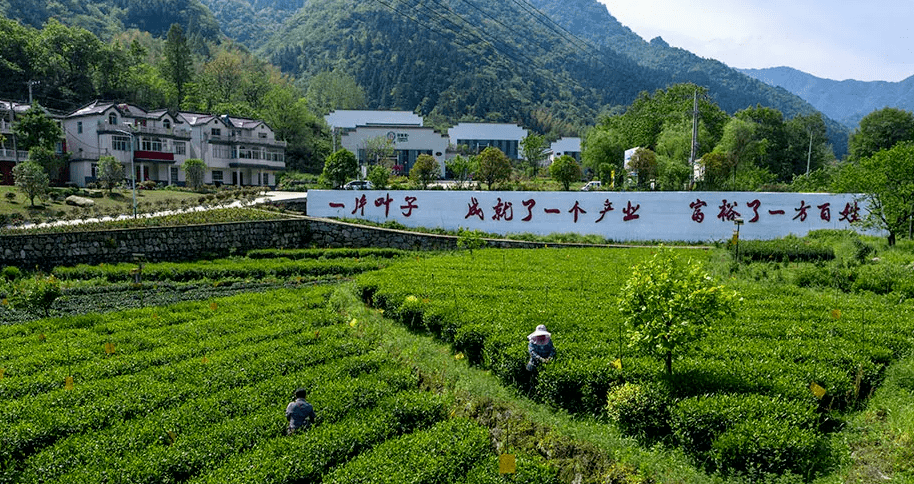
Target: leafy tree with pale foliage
[(565, 170), (886, 180), (194, 171), (880, 130), (339, 167), (493, 166), (424, 171), (379, 176), (31, 179), (535, 150), (669, 303), (110, 172)]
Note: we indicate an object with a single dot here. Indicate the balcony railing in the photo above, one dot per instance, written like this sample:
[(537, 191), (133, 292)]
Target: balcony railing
[(10, 155), (148, 130), (240, 139)]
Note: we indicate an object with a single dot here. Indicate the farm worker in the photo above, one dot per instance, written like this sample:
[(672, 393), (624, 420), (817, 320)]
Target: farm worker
[(539, 345), (299, 413)]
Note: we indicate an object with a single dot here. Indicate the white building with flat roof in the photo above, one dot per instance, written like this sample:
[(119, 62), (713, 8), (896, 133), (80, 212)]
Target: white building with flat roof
[(566, 146), (350, 119), (407, 141), (478, 136)]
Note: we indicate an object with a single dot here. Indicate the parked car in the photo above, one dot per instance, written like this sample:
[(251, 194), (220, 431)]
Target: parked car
[(592, 186), (358, 185)]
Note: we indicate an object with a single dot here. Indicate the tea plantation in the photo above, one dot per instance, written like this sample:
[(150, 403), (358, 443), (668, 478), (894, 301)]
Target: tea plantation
[(417, 373)]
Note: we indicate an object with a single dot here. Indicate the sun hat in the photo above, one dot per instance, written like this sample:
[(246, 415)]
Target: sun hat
[(540, 331)]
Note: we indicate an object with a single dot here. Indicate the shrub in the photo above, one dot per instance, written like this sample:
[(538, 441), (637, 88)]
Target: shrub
[(640, 410)]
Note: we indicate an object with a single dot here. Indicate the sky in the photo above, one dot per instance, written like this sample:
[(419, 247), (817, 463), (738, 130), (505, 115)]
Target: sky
[(832, 39)]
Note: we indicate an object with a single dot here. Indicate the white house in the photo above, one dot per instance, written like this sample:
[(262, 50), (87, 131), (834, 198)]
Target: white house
[(479, 136), (156, 144), (9, 156), (238, 151), (566, 146)]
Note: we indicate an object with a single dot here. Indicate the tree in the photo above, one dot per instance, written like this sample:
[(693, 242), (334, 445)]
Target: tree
[(335, 89), (565, 170), (379, 176), (880, 130), (177, 63), (35, 128), (668, 303), (110, 172), (535, 150), (644, 161), (378, 149), (886, 180), (462, 169), (425, 170), (339, 167), (31, 179), (493, 166), (194, 171)]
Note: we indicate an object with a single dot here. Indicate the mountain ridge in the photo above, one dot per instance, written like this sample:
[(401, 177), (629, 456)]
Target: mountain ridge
[(846, 101)]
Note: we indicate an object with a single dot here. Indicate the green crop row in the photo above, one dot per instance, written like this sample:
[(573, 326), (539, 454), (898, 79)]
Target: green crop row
[(238, 268), (782, 340), (297, 254)]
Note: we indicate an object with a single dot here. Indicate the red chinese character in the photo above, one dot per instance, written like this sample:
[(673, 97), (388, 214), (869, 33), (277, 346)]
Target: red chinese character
[(360, 203), (607, 207), (385, 200), (337, 205), (410, 205), (754, 205), (474, 209), (503, 210), (697, 214), (576, 210), (629, 212), (851, 213), (825, 211), (776, 212), (727, 211), (801, 212), (552, 210), (529, 204)]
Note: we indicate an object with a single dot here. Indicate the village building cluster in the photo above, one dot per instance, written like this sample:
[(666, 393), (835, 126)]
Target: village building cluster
[(153, 145)]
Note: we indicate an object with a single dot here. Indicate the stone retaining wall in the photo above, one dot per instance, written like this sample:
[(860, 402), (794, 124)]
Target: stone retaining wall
[(199, 241)]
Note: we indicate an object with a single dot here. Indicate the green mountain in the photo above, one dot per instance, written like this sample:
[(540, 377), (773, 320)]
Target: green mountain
[(106, 18), (846, 101), (552, 65)]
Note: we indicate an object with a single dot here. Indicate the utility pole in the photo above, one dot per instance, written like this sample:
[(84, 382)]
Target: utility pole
[(809, 153), (32, 83), (694, 151), (12, 123)]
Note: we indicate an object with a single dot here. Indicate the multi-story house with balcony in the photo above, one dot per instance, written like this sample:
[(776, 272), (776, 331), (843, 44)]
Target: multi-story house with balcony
[(237, 151), (10, 152), (153, 145)]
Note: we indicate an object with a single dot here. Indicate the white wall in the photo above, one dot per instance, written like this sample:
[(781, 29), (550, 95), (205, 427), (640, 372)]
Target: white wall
[(635, 216)]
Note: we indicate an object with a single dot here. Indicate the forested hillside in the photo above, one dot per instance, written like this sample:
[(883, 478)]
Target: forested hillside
[(845, 101), (106, 18)]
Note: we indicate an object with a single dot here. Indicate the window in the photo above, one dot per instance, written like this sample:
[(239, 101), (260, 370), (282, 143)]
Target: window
[(223, 152), (166, 124), (151, 144), (262, 135), (180, 148), (216, 132), (79, 127), (266, 179), (174, 174), (95, 170), (112, 118), (217, 176), (120, 143)]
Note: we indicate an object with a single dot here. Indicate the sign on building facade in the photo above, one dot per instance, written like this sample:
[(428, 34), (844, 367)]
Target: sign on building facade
[(619, 216)]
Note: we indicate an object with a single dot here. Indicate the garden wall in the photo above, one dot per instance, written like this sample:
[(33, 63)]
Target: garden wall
[(196, 241)]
